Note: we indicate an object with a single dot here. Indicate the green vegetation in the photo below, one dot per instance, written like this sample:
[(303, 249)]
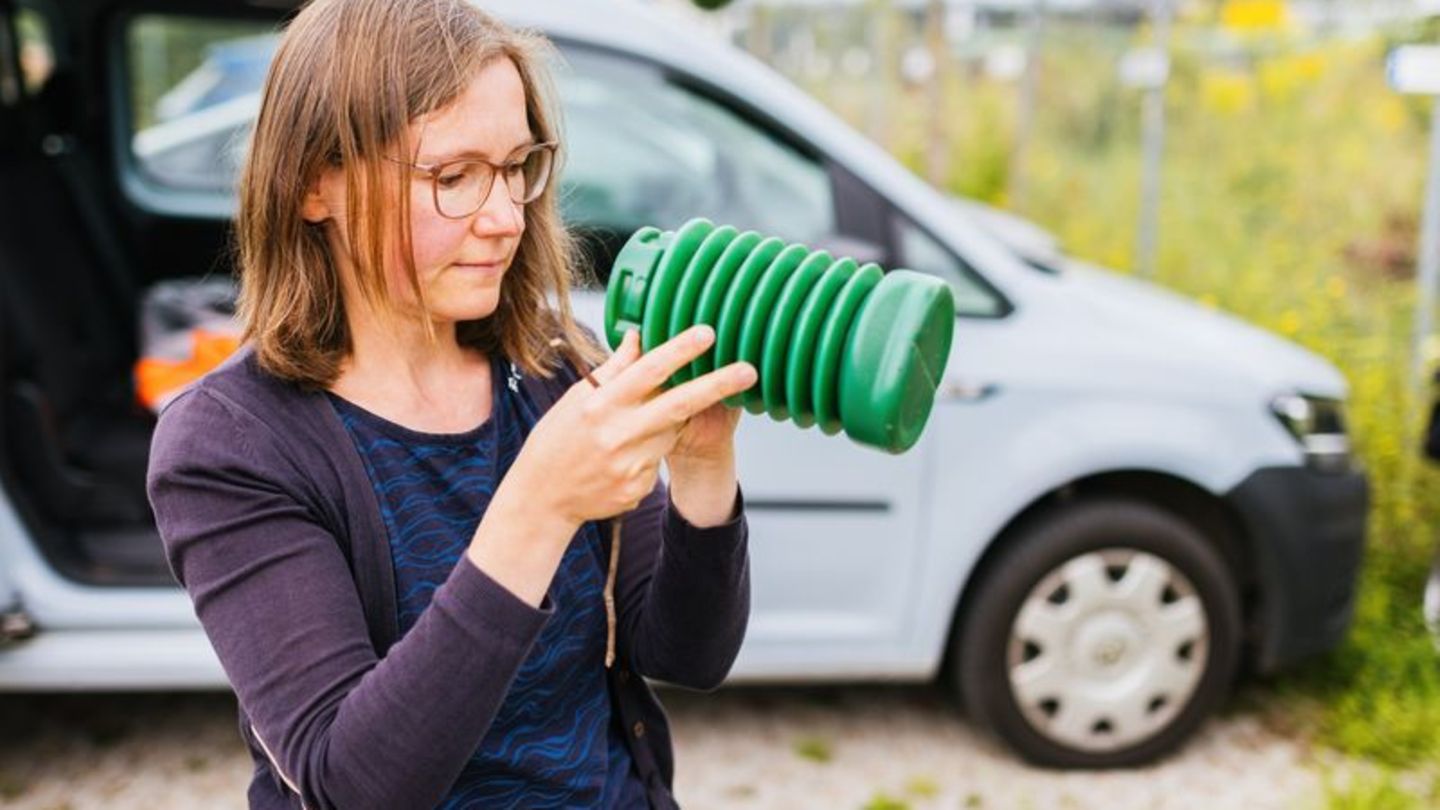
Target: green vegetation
[(883, 801), (1376, 792), (815, 749), (922, 787)]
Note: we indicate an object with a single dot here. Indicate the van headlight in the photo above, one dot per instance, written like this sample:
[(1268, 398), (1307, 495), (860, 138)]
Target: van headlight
[(1318, 424)]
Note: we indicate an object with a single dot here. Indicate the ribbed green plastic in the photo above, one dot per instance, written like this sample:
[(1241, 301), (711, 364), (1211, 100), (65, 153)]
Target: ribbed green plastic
[(837, 344)]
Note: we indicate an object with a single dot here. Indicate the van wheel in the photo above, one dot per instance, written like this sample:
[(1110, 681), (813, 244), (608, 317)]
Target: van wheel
[(1100, 637)]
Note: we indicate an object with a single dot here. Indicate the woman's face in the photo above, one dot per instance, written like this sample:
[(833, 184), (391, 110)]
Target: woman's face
[(460, 263)]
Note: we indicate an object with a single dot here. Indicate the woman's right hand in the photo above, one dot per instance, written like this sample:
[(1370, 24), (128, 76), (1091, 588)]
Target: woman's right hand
[(596, 453)]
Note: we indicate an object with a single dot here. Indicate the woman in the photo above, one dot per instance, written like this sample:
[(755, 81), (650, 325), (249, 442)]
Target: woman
[(393, 508)]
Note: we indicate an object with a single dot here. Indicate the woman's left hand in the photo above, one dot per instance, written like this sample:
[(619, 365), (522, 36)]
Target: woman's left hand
[(703, 482), (707, 440)]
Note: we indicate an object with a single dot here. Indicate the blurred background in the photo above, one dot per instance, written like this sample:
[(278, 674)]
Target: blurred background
[(1250, 155)]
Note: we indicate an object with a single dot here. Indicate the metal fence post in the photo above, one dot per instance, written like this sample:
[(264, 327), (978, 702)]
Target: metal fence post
[(1416, 69), (1147, 241)]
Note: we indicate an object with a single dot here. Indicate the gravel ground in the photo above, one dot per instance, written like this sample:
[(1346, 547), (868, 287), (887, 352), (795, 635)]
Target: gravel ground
[(792, 747)]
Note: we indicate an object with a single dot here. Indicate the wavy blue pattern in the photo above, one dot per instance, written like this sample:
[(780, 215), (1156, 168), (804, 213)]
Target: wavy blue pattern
[(553, 742)]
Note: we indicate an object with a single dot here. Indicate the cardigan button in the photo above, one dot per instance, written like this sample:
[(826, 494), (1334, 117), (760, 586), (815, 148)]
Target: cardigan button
[(623, 675), (639, 729)]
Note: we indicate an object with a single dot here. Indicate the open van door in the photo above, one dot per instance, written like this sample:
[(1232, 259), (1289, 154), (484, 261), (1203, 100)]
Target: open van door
[(79, 556)]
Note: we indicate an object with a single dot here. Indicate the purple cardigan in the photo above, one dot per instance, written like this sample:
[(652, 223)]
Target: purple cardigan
[(271, 524)]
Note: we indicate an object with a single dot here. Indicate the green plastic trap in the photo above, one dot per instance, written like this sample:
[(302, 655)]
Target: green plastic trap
[(845, 346)]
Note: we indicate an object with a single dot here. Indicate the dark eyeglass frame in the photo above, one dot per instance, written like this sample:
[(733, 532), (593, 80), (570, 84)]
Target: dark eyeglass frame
[(434, 170)]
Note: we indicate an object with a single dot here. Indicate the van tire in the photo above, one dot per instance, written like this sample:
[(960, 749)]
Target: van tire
[(1110, 635)]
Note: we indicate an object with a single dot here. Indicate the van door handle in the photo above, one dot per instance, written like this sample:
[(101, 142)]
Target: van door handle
[(955, 389)]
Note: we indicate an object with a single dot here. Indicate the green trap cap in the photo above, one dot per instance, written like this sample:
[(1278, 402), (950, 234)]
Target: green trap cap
[(893, 359)]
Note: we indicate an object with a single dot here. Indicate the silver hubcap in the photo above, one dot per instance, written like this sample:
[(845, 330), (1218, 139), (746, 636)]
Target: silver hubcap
[(1107, 649)]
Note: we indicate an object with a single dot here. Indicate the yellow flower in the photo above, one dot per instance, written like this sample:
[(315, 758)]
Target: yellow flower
[(1227, 93), (1290, 323), (1253, 15), (1279, 78)]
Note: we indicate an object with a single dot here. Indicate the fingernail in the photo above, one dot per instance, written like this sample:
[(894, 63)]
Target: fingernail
[(746, 374), (703, 333)]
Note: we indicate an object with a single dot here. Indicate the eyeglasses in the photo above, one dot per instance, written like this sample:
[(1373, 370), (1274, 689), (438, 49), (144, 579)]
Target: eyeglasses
[(461, 187)]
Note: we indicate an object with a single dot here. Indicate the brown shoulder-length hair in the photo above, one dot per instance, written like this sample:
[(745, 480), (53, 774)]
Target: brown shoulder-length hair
[(347, 79)]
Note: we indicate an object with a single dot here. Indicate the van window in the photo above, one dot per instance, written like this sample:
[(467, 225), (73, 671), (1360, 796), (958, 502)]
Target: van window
[(919, 251), (194, 89), (640, 149), (646, 151)]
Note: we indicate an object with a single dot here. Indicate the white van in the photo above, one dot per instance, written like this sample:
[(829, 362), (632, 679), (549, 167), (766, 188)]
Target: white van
[(1121, 502)]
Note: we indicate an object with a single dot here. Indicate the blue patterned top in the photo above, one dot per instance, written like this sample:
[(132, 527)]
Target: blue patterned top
[(553, 742)]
